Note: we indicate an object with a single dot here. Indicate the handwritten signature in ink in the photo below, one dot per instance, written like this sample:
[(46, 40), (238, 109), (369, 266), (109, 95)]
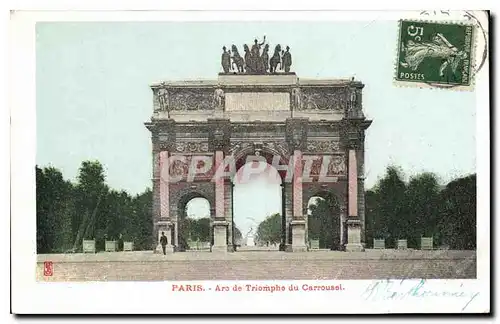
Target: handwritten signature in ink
[(394, 290)]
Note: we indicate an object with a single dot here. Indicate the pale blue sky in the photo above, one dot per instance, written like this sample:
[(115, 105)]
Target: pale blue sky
[(93, 95)]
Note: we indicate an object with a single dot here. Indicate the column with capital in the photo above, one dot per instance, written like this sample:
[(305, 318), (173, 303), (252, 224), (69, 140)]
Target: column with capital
[(156, 191), (164, 224), (228, 208), (283, 218), (287, 200), (296, 133), (298, 221), (219, 142), (220, 223), (162, 146), (353, 219)]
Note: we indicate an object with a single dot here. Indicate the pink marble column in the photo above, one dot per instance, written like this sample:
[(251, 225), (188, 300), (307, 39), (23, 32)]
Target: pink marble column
[(298, 222), (164, 224), (164, 184), (297, 184), (353, 183), (219, 223), (353, 223), (219, 187)]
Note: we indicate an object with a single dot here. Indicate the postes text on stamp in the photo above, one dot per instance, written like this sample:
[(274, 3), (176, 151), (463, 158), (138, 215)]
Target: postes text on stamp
[(435, 53)]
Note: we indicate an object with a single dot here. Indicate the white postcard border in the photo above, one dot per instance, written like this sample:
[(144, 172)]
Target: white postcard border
[(29, 296)]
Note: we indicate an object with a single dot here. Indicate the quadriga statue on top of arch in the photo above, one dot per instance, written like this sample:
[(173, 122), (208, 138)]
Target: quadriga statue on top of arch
[(256, 59)]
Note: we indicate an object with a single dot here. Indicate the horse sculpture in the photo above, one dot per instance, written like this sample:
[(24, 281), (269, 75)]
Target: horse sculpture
[(237, 59), (254, 62), (275, 59)]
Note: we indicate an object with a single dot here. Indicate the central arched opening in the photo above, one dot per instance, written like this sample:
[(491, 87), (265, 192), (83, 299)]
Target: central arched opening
[(323, 222), (257, 204), (194, 232)]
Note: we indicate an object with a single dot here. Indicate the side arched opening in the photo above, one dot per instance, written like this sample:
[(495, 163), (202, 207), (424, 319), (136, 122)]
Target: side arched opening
[(194, 222), (324, 222)]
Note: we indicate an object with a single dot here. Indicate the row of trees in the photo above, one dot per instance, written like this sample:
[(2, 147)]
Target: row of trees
[(395, 209), (69, 212)]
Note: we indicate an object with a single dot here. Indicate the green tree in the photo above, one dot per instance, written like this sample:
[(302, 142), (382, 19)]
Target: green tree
[(142, 220), (390, 209), (90, 191), (324, 223), (195, 229), (67, 213), (457, 221), (237, 234), (421, 215), (269, 230), (372, 219), (202, 229), (54, 209), (396, 210)]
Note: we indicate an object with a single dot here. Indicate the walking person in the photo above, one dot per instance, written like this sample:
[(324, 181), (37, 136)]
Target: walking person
[(120, 243), (163, 242)]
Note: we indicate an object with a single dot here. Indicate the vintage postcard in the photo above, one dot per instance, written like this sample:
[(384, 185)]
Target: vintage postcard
[(227, 162)]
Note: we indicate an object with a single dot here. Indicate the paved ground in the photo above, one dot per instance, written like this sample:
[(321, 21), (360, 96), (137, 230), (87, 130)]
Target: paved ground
[(259, 265)]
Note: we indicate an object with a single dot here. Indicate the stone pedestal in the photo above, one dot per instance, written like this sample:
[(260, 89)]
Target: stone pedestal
[(128, 246), (220, 238), (110, 246), (298, 236), (88, 246), (354, 236)]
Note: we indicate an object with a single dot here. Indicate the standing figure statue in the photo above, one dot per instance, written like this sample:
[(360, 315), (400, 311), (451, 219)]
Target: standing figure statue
[(281, 60), (253, 60), (275, 60), (264, 59), (249, 65), (353, 100), (296, 98), (162, 97), (256, 47), (225, 60), (219, 98), (237, 59), (287, 59)]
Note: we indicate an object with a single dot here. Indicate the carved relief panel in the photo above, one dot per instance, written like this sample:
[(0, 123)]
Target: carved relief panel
[(191, 99), (323, 146), (278, 147), (192, 167), (323, 99), (325, 165), (191, 147)]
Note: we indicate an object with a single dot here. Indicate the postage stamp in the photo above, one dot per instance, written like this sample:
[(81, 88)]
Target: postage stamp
[(187, 165), (435, 53)]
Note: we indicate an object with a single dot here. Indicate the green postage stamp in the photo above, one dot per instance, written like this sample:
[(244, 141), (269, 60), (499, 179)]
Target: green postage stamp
[(435, 54)]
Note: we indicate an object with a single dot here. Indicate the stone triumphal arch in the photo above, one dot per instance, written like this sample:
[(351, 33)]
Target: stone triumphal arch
[(313, 130)]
